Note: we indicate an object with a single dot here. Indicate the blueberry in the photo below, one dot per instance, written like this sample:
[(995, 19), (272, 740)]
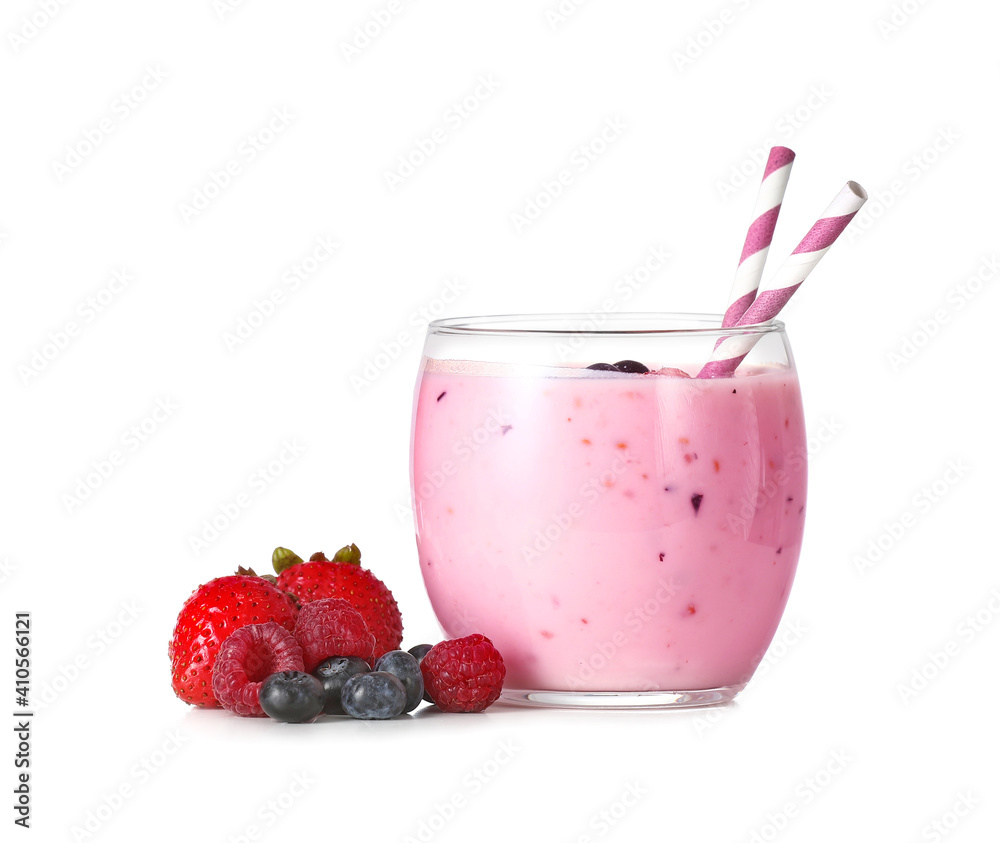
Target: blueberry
[(333, 673), (631, 366), (373, 696), (603, 367), (407, 670), (420, 651), (292, 697)]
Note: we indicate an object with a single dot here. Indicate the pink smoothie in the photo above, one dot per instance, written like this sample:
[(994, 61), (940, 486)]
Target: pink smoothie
[(610, 531)]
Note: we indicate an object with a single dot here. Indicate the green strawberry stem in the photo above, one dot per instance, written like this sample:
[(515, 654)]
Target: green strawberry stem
[(283, 558), (349, 554)]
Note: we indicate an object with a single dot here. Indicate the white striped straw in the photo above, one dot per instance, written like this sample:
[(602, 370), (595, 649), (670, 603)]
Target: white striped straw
[(758, 239), (789, 277)]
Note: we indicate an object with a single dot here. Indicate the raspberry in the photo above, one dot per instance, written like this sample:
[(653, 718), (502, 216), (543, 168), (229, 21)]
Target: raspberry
[(464, 674), (246, 658), (332, 627)]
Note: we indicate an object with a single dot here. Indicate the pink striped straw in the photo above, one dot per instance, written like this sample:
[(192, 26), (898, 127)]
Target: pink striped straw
[(789, 277), (758, 240)]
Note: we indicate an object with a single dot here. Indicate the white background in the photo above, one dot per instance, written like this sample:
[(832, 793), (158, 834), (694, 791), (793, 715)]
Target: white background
[(842, 736)]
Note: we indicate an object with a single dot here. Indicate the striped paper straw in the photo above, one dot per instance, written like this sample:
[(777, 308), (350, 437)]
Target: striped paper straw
[(789, 277), (758, 240)]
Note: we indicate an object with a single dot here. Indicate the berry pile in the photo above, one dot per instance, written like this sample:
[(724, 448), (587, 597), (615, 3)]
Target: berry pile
[(323, 637)]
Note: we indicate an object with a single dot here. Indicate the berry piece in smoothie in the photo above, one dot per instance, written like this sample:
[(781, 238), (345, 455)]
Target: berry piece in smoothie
[(670, 372), (292, 696), (603, 367), (632, 366)]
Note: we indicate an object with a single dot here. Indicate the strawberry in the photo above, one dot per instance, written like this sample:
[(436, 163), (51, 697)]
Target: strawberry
[(209, 616), (343, 577)]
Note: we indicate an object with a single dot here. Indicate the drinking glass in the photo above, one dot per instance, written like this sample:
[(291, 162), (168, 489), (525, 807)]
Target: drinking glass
[(625, 538)]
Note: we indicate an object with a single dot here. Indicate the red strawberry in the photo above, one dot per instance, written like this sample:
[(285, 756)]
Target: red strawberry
[(343, 577), (209, 616)]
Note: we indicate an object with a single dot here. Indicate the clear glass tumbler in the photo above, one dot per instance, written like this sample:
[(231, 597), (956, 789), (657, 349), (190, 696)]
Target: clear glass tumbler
[(625, 538)]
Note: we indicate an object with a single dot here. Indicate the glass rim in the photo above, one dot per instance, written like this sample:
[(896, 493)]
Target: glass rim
[(500, 325)]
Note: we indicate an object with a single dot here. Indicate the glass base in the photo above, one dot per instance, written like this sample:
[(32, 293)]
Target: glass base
[(621, 700)]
